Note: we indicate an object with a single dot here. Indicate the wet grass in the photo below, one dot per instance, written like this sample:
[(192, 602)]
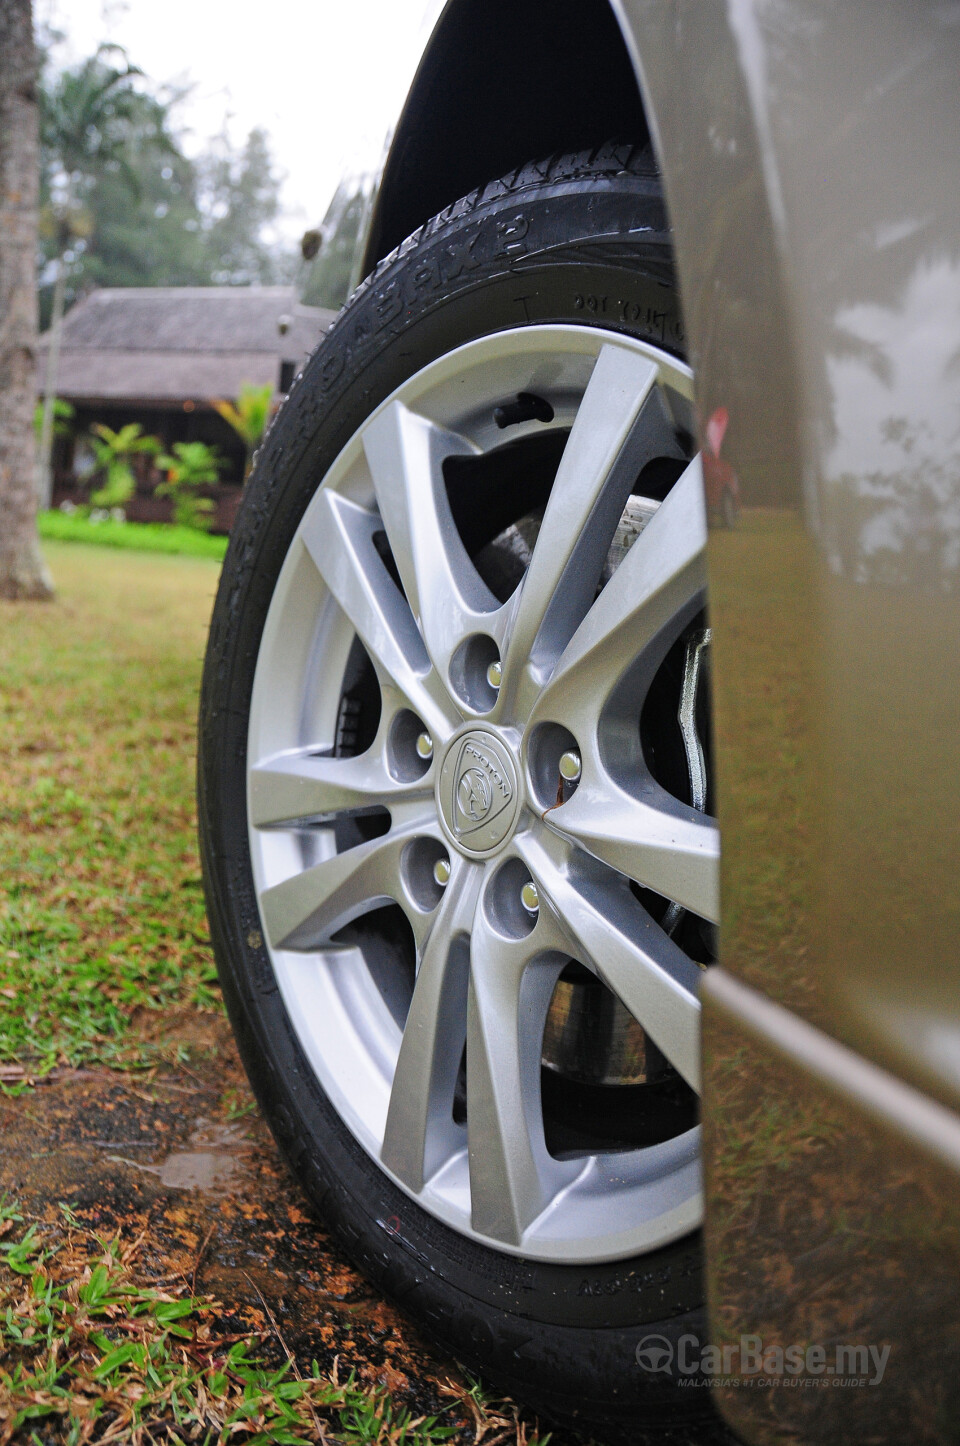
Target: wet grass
[(89, 1351), (101, 911), (105, 961)]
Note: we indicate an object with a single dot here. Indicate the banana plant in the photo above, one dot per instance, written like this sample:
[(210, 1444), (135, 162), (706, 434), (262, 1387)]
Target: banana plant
[(114, 452), (62, 417), (190, 465), (248, 416)]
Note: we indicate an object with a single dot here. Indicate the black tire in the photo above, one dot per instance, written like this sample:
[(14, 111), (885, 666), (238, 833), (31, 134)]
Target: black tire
[(583, 238)]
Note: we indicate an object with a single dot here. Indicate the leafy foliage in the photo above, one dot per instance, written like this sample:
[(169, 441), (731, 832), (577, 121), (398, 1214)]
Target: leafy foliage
[(95, 122), (62, 416), (87, 116), (238, 196), (248, 417), (125, 205), (113, 452), (192, 465)]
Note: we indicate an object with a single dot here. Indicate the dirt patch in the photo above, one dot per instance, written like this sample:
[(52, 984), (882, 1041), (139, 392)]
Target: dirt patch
[(180, 1161)]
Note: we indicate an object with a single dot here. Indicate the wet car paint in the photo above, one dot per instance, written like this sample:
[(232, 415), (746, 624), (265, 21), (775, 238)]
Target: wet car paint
[(815, 199)]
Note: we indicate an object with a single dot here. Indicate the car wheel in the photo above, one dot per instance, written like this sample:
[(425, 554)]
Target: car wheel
[(454, 787)]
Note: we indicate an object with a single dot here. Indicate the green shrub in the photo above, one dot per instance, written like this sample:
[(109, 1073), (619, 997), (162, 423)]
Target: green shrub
[(192, 465), (113, 451)]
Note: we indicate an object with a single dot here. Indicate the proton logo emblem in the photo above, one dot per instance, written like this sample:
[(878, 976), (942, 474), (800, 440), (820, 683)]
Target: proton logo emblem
[(473, 796), (483, 786), (477, 791)]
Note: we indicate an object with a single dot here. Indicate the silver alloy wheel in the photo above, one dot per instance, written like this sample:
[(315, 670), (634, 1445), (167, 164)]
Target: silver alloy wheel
[(479, 700)]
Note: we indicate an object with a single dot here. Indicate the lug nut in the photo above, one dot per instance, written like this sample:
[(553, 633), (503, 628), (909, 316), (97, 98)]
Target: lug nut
[(441, 872), (570, 766), (495, 674), (529, 897), (424, 746)]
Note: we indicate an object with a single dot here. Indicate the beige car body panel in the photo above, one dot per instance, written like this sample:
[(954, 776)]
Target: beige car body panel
[(811, 156), (812, 161)]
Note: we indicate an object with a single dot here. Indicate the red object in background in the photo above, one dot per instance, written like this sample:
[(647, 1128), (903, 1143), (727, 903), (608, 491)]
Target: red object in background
[(716, 429), (720, 480)]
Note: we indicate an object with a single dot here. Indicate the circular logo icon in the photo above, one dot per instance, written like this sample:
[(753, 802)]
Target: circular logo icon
[(655, 1354), (473, 795), (478, 791)]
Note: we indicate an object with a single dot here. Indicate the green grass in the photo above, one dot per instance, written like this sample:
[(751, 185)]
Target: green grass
[(136, 536), (88, 1349), (101, 909), (102, 940)]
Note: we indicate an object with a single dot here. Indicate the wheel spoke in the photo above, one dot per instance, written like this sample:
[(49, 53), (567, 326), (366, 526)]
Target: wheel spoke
[(609, 929), (657, 589), (420, 1132), (655, 839), (600, 462), (304, 785), (512, 1176), (305, 910), (449, 600), (339, 538)]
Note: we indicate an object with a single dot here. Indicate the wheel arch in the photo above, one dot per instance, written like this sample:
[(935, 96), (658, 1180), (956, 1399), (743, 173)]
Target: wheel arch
[(500, 83)]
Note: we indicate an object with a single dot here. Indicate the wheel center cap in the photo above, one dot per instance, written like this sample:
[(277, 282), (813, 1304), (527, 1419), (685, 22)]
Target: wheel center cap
[(478, 792)]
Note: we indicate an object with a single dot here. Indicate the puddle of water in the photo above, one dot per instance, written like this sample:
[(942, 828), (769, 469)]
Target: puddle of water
[(209, 1135), (212, 1165), (198, 1170), (189, 1170)]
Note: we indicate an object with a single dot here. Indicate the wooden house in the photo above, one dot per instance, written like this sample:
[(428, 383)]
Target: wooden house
[(160, 356)]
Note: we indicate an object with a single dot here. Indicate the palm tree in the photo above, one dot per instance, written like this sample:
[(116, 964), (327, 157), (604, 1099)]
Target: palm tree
[(248, 417), (22, 571), (88, 114)]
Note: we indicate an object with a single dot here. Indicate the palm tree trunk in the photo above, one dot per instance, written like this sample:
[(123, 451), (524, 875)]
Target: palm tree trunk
[(50, 384), (22, 570)]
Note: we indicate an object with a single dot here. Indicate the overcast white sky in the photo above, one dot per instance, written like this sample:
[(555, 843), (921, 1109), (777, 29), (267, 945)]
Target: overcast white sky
[(324, 78)]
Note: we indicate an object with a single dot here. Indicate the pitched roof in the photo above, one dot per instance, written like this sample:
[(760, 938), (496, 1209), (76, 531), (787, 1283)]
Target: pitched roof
[(179, 343)]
